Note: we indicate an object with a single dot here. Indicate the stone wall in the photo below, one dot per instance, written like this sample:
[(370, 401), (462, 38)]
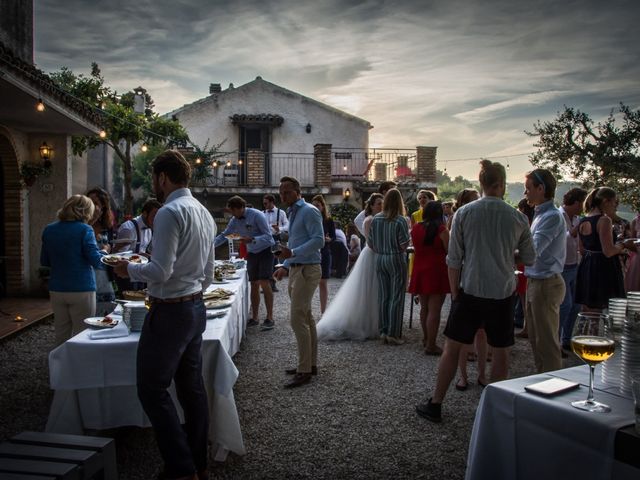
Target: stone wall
[(322, 164), (426, 164), (255, 168)]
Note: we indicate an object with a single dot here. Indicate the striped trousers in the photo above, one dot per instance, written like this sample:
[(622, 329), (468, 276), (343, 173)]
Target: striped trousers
[(392, 284)]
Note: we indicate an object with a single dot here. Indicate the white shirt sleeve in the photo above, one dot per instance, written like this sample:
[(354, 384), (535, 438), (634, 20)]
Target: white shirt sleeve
[(284, 221), (359, 222)]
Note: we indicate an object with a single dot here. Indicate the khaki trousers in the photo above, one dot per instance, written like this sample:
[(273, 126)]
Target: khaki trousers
[(544, 297), (69, 311), (303, 281)]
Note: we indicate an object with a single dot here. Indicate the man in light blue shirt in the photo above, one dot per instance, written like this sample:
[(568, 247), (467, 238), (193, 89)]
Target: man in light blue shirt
[(302, 263), (254, 231), (545, 285)]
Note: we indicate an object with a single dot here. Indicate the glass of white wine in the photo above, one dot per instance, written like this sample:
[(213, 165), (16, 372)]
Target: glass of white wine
[(593, 342)]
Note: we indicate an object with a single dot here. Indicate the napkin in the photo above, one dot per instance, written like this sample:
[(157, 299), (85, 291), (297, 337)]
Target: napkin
[(120, 330)]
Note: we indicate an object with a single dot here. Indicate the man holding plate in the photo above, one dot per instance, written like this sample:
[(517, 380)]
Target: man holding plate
[(170, 344), (250, 226)]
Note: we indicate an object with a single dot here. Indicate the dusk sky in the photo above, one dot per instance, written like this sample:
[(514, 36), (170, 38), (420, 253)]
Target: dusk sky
[(468, 77)]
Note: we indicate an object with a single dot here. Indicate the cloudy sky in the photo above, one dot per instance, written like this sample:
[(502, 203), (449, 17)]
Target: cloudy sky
[(466, 76)]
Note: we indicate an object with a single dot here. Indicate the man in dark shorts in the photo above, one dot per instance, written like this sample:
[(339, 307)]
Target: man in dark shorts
[(251, 227), (489, 237)]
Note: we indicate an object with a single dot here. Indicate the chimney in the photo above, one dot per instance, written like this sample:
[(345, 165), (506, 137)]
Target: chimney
[(214, 88)]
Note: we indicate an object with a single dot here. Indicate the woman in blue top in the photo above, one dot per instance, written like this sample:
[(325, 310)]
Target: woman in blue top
[(69, 247)]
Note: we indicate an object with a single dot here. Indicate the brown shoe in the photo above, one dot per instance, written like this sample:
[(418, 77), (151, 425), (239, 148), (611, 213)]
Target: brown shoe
[(298, 380), (293, 371)]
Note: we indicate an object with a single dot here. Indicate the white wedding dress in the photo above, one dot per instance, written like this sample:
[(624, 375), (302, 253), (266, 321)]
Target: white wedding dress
[(353, 312)]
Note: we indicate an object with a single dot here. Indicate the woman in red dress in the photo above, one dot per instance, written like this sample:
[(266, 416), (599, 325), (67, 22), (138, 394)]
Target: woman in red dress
[(429, 278)]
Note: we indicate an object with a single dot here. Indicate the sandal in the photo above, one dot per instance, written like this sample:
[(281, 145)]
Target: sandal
[(462, 386), (435, 352)]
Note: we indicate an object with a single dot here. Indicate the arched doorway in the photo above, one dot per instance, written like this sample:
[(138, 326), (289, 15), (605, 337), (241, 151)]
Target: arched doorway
[(11, 248)]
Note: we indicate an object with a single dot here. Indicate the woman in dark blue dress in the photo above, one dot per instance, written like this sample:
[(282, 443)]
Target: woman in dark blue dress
[(329, 236), (600, 272)]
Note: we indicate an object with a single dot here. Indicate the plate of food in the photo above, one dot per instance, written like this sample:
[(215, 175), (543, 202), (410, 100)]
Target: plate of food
[(113, 258), (101, 322), (218, 303), (233, 236), (217, 294)]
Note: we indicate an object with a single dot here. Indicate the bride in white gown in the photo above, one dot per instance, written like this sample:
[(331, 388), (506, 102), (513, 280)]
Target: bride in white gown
[(353, 312)]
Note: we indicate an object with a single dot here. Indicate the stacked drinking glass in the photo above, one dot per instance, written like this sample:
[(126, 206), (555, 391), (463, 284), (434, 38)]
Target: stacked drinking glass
[(610, 373), (630, 343)]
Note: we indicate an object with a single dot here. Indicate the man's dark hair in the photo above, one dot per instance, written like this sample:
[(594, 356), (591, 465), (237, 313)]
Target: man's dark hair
[(492, 174), (269, 197), (574, 195), (236, 202), (542, 176), (386, 186), (150, 205), (293, 181), (174, 166)]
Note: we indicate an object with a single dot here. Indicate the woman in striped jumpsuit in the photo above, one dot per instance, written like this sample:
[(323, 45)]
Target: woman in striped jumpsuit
[(389, 238)]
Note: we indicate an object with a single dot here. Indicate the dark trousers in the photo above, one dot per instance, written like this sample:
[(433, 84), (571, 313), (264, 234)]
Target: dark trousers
[(170, 349)]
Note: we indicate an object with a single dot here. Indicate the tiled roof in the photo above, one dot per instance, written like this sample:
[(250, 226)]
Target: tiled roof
[(266, 118), (41, 81)]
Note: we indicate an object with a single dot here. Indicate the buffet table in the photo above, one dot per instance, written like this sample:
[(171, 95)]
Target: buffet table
[(95, 380), (517, 434)]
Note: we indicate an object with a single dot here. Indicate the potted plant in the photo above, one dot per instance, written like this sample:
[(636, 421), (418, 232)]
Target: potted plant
[(29, 172)]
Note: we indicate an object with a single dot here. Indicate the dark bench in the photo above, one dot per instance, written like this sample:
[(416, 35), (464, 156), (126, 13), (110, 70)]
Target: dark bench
[(49, 455)]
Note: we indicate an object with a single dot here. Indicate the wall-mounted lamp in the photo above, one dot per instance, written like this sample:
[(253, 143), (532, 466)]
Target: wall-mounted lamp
[(46, 152), (347, 195), (308, 128)]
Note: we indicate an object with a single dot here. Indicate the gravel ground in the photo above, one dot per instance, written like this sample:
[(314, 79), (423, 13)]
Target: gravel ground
[(355, 419)]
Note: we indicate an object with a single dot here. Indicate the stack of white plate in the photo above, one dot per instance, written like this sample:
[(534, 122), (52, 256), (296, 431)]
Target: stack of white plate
[(134, 315), (630, 343), (610, 372)]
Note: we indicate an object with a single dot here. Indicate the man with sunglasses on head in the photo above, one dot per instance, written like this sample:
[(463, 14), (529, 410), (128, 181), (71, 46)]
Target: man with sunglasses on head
[(545, 285)]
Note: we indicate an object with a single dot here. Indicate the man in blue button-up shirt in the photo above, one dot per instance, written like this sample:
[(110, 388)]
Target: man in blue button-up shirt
[(254, 231), (302, 263), (545, 285)]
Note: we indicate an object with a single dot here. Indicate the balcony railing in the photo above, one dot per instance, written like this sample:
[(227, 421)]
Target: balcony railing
[(373, 164), (234, 169)]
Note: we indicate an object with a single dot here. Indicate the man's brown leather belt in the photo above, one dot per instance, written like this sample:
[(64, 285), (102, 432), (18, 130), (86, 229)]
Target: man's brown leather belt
[(187, 298)]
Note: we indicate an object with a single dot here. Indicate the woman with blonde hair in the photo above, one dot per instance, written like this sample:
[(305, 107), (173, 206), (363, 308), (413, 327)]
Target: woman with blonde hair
[(599, 275), (389, 239), (69, 248), (329, 228)]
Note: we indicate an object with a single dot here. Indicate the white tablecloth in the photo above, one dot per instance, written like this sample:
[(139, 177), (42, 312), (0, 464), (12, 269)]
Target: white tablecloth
[(520, 435), (95, 380)]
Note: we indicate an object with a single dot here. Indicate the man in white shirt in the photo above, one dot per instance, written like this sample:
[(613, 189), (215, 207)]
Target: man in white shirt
[(571, 209), (278, 222), (181, 268), (138, 230), (359, 220)]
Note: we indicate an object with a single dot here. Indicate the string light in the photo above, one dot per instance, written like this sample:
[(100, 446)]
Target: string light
[(228, 163), (240, 162), (344, 167), (40, 105), (215, 163), (102, 134), (198, 161), (144, 147)]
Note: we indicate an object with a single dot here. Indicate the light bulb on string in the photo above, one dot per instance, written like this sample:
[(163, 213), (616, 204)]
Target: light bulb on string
[(239, 162), (40, 105), (228, 163), (198, 161), (144, 147), (344, 167), (102, 134), (214, 163)]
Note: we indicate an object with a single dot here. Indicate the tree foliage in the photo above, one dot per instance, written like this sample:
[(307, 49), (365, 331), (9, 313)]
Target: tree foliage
[(343, 214), (574, 147), (448, 188), (124, 127)]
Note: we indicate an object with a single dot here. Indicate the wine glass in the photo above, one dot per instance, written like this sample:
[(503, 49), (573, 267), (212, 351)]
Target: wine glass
[(592, 341)]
